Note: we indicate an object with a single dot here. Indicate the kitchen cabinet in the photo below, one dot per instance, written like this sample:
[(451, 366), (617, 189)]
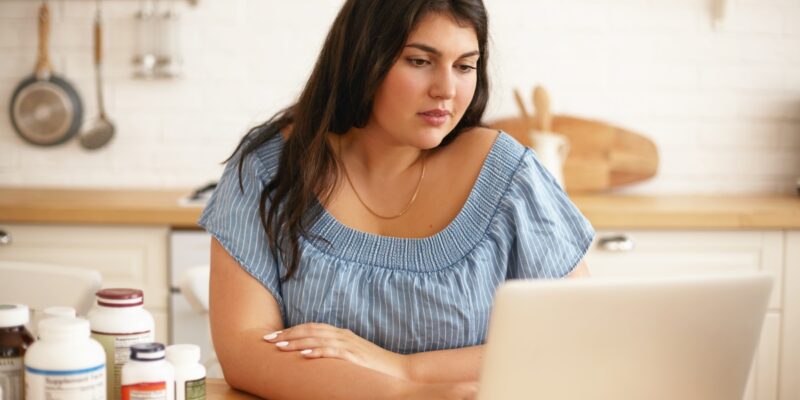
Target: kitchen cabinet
[(680, 252), (125, 256)]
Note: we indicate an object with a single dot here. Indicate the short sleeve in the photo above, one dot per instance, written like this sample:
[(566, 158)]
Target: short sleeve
[(550, 235), (232, 217)]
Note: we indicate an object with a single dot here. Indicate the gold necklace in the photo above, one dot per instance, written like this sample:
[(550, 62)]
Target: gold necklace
[(410, 202)]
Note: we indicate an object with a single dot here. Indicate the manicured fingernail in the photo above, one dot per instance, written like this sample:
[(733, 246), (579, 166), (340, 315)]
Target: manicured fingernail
[(282, 344), (272, 335), (306, 351)]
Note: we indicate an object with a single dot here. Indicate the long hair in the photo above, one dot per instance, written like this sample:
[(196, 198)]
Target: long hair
[(365, 40)]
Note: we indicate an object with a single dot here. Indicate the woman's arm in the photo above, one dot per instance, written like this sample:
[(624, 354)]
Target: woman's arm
[(242, 312), (581, 271)]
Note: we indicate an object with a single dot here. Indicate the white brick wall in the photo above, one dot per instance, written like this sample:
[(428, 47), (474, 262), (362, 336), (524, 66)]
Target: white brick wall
[(722, 105)]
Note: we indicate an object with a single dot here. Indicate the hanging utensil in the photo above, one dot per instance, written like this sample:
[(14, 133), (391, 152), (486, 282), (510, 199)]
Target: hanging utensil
[(45, 110), (101, 130)]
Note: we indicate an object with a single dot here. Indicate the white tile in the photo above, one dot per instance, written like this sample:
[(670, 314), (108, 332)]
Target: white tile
[(18, 34), (721, 105), (752, 18), (22, 9), (654, 76), (739, 77), (655, 16), (789, 133), (739, 136)]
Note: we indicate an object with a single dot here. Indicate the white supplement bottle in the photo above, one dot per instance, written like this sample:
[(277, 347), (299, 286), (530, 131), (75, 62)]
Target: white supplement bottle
[(51, 312), (68, 312), (65, 363), (119, 321), (14, 342), (190, 375), (147, 375)]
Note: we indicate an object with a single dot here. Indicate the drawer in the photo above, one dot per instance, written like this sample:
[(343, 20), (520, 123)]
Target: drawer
[(669, 253)]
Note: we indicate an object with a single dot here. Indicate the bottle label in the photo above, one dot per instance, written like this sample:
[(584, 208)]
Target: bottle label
[(83, 384), (118, 351), (145, 391), (11, 377), (195, 390)]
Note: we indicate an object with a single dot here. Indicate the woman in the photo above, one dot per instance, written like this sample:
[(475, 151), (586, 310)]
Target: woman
[(360, 234)]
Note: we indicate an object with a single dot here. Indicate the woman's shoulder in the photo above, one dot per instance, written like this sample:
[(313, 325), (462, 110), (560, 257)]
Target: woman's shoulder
[(479, 144)]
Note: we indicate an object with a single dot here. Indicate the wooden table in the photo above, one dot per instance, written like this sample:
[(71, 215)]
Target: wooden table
[(217, 389)]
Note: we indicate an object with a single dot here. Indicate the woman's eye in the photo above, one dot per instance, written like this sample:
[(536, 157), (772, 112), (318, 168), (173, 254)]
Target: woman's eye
[(418, 62), (465, 68)]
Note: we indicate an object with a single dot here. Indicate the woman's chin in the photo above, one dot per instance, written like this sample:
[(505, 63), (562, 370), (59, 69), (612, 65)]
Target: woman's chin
[(431, 138)]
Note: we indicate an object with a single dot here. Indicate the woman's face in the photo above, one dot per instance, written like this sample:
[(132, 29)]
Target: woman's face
[(429, 87)]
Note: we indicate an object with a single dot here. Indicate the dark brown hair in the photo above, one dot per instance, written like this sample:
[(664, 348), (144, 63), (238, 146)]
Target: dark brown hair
[(365, 40)]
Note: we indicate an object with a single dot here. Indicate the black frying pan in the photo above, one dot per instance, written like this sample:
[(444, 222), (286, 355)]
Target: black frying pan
[(46, 110)]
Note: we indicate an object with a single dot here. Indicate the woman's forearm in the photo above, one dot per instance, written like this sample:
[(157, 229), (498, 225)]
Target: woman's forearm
[(256, 367), (455, 365)]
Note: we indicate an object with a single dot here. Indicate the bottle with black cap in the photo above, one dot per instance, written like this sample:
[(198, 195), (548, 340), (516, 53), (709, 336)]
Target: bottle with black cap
[(148, 375)]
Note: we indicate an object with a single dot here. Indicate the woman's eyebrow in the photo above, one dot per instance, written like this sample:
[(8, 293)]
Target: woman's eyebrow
[(438, 53)]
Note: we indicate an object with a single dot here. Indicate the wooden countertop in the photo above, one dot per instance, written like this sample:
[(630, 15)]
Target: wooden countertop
[(76, 206), (605, 211), (217, 389)]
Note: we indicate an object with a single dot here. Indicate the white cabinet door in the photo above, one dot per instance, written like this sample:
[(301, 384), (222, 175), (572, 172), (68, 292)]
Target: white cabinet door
[(790, 331), (125, 256), (670, 253)]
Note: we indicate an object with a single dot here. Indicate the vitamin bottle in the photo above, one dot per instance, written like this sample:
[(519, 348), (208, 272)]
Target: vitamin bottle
[(50, 312), (190, 375), (65, 363), (68, 312), (118, 322), (148, 375), (14, 341)]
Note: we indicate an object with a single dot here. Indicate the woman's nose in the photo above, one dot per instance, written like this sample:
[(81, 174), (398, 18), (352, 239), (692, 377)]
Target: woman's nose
[(444, 85)]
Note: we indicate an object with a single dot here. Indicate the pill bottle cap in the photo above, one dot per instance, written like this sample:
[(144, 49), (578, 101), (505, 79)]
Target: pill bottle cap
[(63, 328), (12, 315), (147, 351), (183, 354), (68, 312), (120, 297)]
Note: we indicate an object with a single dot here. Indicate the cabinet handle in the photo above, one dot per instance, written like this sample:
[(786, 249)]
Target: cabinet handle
[(616, 243), (5, 238)]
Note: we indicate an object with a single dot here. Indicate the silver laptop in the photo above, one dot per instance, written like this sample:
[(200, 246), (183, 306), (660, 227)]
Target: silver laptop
[(632, 338)]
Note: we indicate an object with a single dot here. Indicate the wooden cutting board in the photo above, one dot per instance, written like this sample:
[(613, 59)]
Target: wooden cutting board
[(602, 156)]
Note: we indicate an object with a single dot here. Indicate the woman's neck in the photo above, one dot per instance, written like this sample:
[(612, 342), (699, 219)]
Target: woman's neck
[(376, 153)]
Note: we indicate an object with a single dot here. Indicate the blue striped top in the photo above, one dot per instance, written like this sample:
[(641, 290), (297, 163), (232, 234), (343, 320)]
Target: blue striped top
[(409, 295)]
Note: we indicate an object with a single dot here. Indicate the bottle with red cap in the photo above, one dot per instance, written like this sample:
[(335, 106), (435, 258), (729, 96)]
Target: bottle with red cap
[(119, 321)]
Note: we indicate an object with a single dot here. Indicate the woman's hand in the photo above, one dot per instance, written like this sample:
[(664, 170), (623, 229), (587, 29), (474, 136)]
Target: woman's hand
[(327, 341)]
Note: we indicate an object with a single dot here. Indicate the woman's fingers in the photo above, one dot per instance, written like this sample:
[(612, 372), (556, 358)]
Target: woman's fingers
[(311, 330), (306, 343)]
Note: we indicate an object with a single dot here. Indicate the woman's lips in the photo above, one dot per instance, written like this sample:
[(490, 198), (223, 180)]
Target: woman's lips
[(434, 118)]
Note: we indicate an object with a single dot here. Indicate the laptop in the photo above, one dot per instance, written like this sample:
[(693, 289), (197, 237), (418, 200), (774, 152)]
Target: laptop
[(624, 338)]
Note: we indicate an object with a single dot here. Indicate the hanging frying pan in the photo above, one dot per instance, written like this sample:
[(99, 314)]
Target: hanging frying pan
[(45, 109)]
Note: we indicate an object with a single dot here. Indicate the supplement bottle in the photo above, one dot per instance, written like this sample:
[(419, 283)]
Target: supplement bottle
[(65, 363), (147, 375), (14, 341), (68, 312), (51, 312), (190, 375), (118, 322)]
